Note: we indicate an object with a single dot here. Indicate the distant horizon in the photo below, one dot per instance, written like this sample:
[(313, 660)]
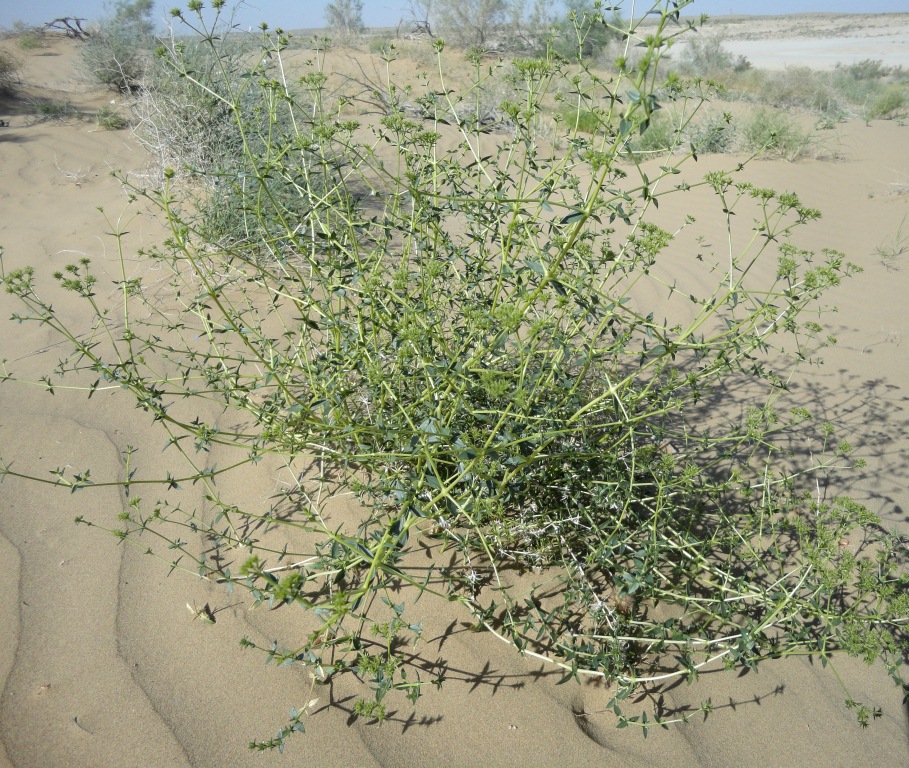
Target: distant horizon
[(388, 13)]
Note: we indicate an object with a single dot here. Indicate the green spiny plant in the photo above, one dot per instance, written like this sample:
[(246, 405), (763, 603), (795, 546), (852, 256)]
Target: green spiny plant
[(453, 324), (587, 28)]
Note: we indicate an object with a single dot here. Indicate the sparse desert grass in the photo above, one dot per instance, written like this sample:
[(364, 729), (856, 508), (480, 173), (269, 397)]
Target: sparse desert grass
[(892, 249), (42, 110)]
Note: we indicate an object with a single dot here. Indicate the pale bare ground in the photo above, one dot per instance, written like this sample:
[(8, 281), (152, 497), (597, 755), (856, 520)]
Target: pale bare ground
[(818, 40), (102, 665)]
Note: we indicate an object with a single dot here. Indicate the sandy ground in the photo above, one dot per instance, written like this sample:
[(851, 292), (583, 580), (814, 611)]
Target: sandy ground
[(102, 665)]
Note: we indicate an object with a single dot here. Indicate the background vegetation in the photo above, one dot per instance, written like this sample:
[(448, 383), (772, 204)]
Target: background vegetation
[(117, 52)]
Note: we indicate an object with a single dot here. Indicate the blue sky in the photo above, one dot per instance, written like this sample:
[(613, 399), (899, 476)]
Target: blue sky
[(310, 13)]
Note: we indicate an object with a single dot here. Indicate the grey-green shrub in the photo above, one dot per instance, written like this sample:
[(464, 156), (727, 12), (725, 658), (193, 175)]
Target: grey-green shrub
[(117, 53), (715, 133), (459, 328), (705, 55), (660, 136), (866, 69), (186, 128), (194, 138), (585, 121), (775, 133)]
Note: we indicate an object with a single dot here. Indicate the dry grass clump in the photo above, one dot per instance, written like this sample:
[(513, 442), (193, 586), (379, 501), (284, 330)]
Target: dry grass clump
[(890, 250)]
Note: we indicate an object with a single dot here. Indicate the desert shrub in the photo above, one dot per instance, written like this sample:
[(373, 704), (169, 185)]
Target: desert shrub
[(30, 41), (468, 23), (799, 87), (776, 134), (459, 328), (866, 69), (187, 127), (899, 74), (9, 72), (849, 90), (890, 103), (706, 55), (380, 45), (712, 133), (857, 93), (28, 38), (117, 53), (181, 122)]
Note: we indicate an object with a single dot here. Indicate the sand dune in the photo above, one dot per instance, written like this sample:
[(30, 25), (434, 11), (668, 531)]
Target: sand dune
[(101, 664)]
